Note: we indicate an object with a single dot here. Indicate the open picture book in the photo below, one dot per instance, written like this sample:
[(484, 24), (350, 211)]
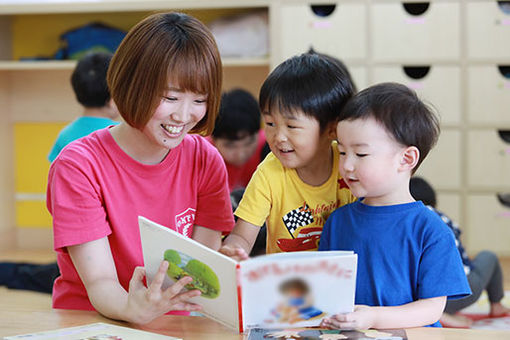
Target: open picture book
[(93, 331), (295, 289)]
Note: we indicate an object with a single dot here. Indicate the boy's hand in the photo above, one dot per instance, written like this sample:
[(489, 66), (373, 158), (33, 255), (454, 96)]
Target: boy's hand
[(363, 317), (237, 253)]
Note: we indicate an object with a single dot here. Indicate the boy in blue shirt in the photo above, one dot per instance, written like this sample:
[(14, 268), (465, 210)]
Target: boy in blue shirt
[(408, 264)]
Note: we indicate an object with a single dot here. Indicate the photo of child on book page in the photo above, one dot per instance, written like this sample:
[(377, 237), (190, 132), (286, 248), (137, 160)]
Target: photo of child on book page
[(297, 304)]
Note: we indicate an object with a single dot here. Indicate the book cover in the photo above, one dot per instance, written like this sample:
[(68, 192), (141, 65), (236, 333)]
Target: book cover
[(294, 289), (326, 334), (93, 331)]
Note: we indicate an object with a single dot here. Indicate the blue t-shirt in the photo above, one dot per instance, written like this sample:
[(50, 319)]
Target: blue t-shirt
[(80, 127), (405, 253)]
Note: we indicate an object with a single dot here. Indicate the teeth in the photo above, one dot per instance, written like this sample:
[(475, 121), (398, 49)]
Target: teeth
[(172, 129)]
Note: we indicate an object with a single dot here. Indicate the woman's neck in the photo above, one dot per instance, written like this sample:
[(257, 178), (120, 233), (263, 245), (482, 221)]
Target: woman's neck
[(136, 144)]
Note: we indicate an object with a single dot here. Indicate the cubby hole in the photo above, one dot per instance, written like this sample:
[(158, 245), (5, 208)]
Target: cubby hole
[(416, 8), (323, 11), (504, 6), (504, 135), (504, 199), (416, 72), (504, 70)]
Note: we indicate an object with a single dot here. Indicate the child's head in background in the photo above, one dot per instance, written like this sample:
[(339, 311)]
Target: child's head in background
[(421, 190), (300, 102), (89, 83), (166, 52), (236, 131), (384, 133)]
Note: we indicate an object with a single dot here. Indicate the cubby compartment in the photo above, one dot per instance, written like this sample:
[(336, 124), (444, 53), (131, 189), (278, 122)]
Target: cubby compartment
[(487, 225), (488, 95), (336, 28), (443, 164), (488, 160), (415, 31), (488, 30), (430, 82)]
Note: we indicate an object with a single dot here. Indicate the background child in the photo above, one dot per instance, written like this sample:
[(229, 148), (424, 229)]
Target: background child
[(407, 260), (297, 186), (165, 79), (88, 81), (238, 136), (89, 84), (483, 272)]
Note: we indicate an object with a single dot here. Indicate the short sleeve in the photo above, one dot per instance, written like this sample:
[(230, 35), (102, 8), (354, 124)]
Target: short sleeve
[(214, 209), (324, 243), (74, 201), (256, 203), (441, 271)]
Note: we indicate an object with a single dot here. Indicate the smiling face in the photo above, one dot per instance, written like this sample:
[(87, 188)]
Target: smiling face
[(372, 163), (177, 113), (295, 139)]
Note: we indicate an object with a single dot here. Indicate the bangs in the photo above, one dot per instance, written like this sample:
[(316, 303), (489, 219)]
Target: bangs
[(190, 71)]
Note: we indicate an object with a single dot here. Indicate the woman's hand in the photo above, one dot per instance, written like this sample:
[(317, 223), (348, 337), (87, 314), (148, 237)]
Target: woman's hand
[(147, 303)]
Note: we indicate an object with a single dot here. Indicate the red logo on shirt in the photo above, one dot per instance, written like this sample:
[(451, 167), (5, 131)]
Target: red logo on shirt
[(184, 222)]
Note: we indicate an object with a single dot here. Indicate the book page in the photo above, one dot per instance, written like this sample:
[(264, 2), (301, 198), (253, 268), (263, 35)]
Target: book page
[(98, 330), (214, 274), (297, 289)]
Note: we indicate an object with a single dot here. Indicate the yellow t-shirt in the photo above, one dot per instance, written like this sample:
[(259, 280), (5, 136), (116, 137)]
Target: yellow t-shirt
[(294, 211)]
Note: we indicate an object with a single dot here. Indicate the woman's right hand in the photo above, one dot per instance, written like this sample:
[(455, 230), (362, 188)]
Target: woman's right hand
[(144, 304)]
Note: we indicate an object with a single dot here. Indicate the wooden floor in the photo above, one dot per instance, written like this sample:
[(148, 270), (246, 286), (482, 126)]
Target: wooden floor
[(45, 256)]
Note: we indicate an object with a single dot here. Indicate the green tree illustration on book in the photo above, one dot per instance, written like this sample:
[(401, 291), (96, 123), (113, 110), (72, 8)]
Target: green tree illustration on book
[(204, 278)]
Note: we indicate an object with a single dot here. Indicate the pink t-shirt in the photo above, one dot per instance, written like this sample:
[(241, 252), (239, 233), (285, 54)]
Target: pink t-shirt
[(97, 190)]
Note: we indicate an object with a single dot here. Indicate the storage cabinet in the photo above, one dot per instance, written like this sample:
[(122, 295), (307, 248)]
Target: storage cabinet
[(415, 31), (488, 96), (439, 85), (487, 226), (338, 28), (488, 30)]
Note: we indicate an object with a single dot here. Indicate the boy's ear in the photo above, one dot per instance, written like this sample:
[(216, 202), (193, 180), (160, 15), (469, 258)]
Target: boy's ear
[(410, 157), (331, 130)]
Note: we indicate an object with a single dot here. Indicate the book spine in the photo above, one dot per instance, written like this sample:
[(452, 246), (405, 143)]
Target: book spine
[(239, 298)]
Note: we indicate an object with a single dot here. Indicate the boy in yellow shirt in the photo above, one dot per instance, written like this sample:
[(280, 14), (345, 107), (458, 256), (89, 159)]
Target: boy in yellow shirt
[(297, 186)]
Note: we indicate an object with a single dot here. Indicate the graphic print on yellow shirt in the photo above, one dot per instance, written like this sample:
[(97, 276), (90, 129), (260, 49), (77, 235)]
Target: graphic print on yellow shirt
[(294, 211)]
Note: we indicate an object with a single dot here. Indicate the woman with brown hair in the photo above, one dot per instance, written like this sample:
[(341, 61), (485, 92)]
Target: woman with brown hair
[(165, 79)]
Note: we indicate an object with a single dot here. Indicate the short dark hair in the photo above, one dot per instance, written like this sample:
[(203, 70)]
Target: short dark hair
[(165, 47), (408, 119), (309, 82), (89, 79), (239, 115), (421, 190)]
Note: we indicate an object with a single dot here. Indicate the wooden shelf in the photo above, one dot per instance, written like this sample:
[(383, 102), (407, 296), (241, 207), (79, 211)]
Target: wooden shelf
[(81, 6), (70, 64)]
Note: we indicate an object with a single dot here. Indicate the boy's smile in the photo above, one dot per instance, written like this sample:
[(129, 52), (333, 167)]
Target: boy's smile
[(296, 140)]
